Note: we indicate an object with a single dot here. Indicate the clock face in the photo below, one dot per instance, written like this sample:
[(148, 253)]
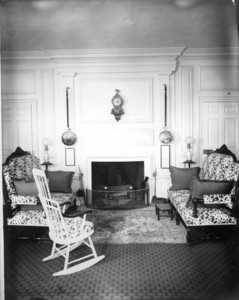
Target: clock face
[(117, 101)]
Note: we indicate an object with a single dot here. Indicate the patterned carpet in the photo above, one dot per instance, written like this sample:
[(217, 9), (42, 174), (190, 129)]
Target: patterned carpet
[(145, 259), (129, 272), (135, 226)]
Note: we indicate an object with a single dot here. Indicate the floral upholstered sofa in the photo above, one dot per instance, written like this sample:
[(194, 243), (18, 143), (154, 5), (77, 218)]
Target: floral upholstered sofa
[(21, 195), (205, 197)]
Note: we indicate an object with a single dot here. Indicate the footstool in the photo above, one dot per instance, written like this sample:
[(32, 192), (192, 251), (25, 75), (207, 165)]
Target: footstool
[(162, 204)]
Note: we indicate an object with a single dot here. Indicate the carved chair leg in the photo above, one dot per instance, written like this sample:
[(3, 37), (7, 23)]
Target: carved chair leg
[(172, 214), (195, 215), (177, 218), (157, 212), (189, 237)]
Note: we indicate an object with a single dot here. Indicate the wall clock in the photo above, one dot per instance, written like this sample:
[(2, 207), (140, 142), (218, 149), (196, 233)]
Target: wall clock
[(117, 109), (68, 138)]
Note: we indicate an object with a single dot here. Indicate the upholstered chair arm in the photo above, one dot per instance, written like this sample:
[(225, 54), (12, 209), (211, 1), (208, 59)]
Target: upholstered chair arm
[(195, 202)]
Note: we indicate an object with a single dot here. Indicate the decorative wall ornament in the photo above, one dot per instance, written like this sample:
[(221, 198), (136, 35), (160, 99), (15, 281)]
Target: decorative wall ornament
[(68, 138), (165, 136), (117, 109)]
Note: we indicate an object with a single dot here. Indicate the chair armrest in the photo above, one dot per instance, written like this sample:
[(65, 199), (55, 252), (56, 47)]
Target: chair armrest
[(64, 203), (73, 214)]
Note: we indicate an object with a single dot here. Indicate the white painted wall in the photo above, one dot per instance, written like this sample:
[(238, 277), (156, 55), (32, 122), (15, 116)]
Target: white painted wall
[(140, 75), (206, 76)]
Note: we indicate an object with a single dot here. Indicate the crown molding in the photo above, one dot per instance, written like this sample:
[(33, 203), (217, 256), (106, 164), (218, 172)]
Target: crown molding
[(159, 53), (123, 53), (24, 55), (161, 60), (210, 52)]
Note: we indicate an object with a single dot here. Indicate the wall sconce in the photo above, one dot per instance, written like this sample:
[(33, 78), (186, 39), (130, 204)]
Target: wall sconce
[(46, 157), (189, 141)]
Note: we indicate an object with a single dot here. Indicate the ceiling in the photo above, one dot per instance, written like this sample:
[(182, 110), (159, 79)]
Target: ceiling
[(110, 24)]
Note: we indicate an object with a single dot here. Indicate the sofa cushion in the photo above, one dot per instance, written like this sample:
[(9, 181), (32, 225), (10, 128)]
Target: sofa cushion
[(24, 188), (60, 181), (207, 187), (182, 177)]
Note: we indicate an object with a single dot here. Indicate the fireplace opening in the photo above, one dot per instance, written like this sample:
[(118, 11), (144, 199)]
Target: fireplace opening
[(117, 174), (117, 185)]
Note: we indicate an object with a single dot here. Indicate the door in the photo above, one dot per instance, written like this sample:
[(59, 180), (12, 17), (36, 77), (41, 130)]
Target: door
[(17, 126), (220, 121)]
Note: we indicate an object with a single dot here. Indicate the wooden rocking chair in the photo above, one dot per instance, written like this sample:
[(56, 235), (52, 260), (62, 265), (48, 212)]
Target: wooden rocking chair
[(66, 231)]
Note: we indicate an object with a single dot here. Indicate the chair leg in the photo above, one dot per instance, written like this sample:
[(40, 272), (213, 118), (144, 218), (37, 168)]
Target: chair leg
[(157, 212), (67, 256), (92, 246), (80, 267), (83, 265), (56, 253)]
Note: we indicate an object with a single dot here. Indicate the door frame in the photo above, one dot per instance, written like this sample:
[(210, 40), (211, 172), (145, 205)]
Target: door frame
[(212, 99)]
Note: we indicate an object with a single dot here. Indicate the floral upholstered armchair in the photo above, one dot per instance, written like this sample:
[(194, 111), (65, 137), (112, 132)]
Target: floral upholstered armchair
[(217, 183), (21, 194), (205, 197)]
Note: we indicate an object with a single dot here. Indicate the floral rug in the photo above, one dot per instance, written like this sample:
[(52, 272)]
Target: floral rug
[(134, 226)]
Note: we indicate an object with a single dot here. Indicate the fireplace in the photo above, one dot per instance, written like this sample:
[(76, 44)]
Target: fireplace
[(117, 184)]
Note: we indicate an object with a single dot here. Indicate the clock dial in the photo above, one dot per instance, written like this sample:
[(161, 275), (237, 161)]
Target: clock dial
[(117, 101)]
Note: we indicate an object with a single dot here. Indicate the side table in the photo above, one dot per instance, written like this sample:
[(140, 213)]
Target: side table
[(189, 163), (163, 204), (46, 164)]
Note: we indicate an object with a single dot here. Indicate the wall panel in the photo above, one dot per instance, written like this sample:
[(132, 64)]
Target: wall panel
[(96, 94), (19, 81)]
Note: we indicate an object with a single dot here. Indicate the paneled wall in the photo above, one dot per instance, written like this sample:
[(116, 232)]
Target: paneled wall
[(200, 85), (206, 102)]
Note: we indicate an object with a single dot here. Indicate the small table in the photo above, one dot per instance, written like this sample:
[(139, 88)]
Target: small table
[(189, 163), (46, 164), (163, 204)]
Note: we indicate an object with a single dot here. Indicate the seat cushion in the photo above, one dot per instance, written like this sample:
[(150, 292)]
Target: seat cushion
[(206, 216), (33, 218), (73, 231), (62, 197)]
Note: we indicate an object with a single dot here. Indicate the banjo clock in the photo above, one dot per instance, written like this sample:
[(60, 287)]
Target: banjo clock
[(117, 109)]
